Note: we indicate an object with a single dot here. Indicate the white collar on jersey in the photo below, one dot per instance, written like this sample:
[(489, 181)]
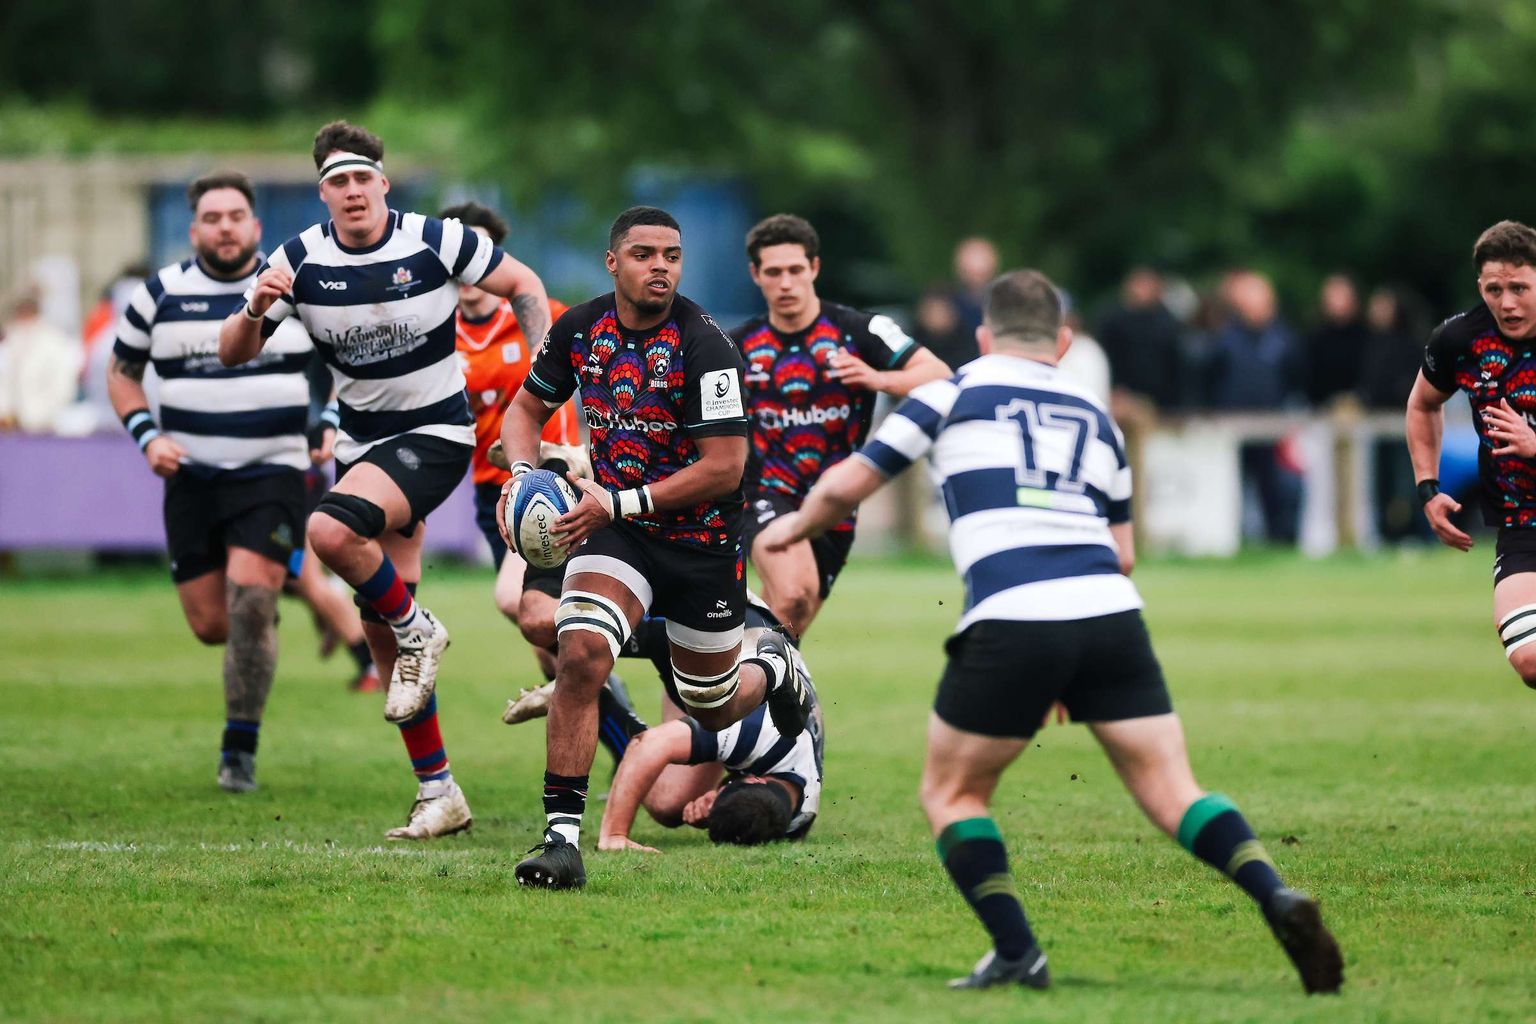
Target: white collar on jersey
[(341, 161)]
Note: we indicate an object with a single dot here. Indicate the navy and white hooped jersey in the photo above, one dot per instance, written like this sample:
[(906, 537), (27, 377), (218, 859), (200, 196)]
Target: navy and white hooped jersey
[(753, 746), (228, 418), (1033, 473), (383, 319)]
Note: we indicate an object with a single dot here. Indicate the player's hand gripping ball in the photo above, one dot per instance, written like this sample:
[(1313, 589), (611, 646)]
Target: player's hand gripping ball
[(537, 501)]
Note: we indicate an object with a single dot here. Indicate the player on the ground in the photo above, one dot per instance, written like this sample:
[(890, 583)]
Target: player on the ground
[(772, 784), (659, 530), (496, 356), (1038, 489), (231, 446), (814, 369), (377, 290), (1489, 352)]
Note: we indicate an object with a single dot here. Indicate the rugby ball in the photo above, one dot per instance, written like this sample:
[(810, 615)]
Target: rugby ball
[(536, 502)]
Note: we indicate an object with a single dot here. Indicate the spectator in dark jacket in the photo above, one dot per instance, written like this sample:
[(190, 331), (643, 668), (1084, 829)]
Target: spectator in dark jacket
[(1335, 347), (1142, 341)]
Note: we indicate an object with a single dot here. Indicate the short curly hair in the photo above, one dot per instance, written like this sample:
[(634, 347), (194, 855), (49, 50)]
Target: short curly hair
[(475, 215), (346, 137), (747, 814)]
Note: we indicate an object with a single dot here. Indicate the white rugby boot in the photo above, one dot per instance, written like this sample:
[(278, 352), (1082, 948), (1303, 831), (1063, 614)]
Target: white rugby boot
[(415, 676), (440, 810), (529, 704)]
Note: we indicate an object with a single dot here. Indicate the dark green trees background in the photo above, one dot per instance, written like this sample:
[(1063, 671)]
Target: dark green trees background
[(1300, 136)]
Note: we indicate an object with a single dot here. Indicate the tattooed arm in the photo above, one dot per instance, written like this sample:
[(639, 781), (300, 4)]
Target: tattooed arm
[(125, 388), (530, 304)]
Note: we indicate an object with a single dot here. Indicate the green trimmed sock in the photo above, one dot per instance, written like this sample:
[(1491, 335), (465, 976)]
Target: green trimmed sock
[(1215, 831), (973, 853)]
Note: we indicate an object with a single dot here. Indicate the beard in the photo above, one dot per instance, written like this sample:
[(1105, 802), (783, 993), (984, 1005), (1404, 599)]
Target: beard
[(229, 267), (650, 304)]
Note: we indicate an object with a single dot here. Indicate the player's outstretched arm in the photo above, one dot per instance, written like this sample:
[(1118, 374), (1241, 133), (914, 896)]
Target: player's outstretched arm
[(923, 367), (516, 281), (240, 337), (839, 491), (644, 759), (1425, 426)]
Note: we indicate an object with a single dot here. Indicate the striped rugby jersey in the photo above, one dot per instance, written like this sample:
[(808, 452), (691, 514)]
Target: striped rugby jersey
[(753, 746), (1033, 473), (242, 418), (383, 318)]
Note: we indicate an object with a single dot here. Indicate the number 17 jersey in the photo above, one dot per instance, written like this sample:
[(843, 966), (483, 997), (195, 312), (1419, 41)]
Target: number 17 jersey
[(1033, 473)]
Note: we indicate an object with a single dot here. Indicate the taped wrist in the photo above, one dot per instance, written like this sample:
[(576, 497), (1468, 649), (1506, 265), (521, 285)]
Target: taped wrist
[(520, 467), (634, 502), (1427, 490), (141, 427), (330, 419)]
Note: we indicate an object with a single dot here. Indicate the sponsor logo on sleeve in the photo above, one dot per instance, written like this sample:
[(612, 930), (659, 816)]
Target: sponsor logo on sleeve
[(720, 395), (886, 329)]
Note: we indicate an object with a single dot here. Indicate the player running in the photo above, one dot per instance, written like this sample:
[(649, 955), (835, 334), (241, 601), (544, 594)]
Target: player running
[(813, 371), (1037, 486), (377, 290), (1489, 352), (772, 784), (496, 356), (231, 446), (659, 530)]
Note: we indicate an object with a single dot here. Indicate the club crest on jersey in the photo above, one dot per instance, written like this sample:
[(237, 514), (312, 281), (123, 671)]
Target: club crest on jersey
[(403, 280)]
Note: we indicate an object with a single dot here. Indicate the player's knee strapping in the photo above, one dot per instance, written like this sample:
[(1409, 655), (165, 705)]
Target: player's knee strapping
[(706, 692), (1518, 628), (582, 611), (359, 515)]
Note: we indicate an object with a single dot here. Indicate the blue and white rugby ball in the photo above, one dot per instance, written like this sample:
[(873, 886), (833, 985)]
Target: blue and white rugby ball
[(538, 500)]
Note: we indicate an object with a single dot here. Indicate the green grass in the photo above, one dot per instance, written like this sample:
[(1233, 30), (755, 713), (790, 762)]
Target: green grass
[(1358, 710)]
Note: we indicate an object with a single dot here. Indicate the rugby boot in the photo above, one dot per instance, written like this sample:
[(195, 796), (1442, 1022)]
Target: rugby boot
[(1297, 922), (528, 704), (556, 865), (417, 656), (237, 772), (440, 810), (990, 970), (789, 702)]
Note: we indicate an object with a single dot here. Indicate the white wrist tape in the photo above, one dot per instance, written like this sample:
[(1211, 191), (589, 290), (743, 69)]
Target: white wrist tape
[(634, 502)]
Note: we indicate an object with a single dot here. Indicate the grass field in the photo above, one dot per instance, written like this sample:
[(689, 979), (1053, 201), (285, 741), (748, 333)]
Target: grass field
[(1359, 711)]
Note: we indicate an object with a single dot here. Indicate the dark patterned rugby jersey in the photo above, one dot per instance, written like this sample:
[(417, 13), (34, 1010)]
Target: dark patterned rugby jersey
[(645, 396), (1468, 353), (803, 421)]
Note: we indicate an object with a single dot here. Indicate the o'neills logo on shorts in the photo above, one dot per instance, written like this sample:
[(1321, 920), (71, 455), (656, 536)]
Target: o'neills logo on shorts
[(780, 419), (598, 420)]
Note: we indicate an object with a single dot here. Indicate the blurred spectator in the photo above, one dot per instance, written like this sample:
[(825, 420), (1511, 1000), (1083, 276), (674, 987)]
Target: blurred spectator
[(1254, 367), (1336, 346), (975, 267), (939, 330), (100, 332), (40, 374), (1141, 340), (1085, 362), (1398, 326)]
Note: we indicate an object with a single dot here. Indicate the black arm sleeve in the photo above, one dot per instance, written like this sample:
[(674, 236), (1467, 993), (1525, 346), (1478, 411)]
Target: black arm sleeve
[(713, 369), (1441, 354), (552, 378)]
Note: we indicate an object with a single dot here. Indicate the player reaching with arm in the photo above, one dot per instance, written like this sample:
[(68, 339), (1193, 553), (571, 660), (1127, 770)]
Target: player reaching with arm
[(1036, 481), (772, 786), (377, 290), (1490, 353), (660, 528), (814, 369)]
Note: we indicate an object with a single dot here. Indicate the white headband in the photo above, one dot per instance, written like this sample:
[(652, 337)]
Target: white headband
[(340, 161)]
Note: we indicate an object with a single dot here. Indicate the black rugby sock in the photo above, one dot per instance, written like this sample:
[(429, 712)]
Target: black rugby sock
[(565, 798), (361, 654), (977, 861), (617, 722), (1215, 831)]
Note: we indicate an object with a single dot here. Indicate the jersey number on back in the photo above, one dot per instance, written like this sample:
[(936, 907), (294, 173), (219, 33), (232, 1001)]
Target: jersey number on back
[(1054, 438)]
